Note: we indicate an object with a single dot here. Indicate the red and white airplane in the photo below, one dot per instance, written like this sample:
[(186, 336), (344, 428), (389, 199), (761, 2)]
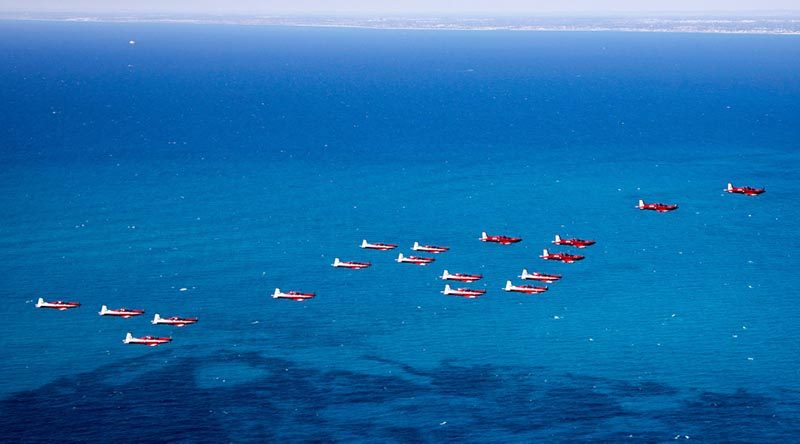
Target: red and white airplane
[(57, 305), (541, 277), (461, 277), (563, 257), (150, 341), (527, 289), (377, 246), (747, 191), (350, 264), (429, 248), (416, 260), (174, 320), (462, 292), (293, 295), (120, 312), (499, 239), (660, 207), (574, 242)]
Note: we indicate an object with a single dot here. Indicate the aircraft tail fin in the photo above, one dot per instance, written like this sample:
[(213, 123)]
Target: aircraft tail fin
[(447, 289), (483, 235), (40, 302), (336, 262), (128, 338), (276, 294), (416, 246), (524, 274), (156, 318), (508, 286), (545, 252), (445, 274), (730, 187), (641, 203), (364, 243), (558, 238), (103, 309)]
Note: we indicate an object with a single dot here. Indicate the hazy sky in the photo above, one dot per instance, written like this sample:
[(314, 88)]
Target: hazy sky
[(484, 7)]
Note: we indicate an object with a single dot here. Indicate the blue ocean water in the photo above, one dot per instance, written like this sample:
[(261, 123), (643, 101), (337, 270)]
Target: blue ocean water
[(229, 160)]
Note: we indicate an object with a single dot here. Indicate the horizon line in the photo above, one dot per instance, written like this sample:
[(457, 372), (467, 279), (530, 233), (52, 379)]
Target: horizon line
[(696, 24), (753, 13)]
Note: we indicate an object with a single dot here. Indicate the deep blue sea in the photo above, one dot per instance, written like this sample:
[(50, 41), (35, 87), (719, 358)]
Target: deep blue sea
[(230, 160)]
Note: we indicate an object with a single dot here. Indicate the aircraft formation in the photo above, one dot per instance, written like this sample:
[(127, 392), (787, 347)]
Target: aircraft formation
[(461, 278), (125, 313), (470, 293)]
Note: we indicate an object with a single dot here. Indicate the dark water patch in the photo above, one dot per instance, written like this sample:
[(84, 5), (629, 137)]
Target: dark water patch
[(287, 401), (622, 388), (342, 387), (411, 370), (577, 404), (81, 409), (734, 417), (644, 388)]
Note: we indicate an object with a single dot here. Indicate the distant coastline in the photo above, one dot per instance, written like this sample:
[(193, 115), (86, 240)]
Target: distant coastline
[(767, 24)]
